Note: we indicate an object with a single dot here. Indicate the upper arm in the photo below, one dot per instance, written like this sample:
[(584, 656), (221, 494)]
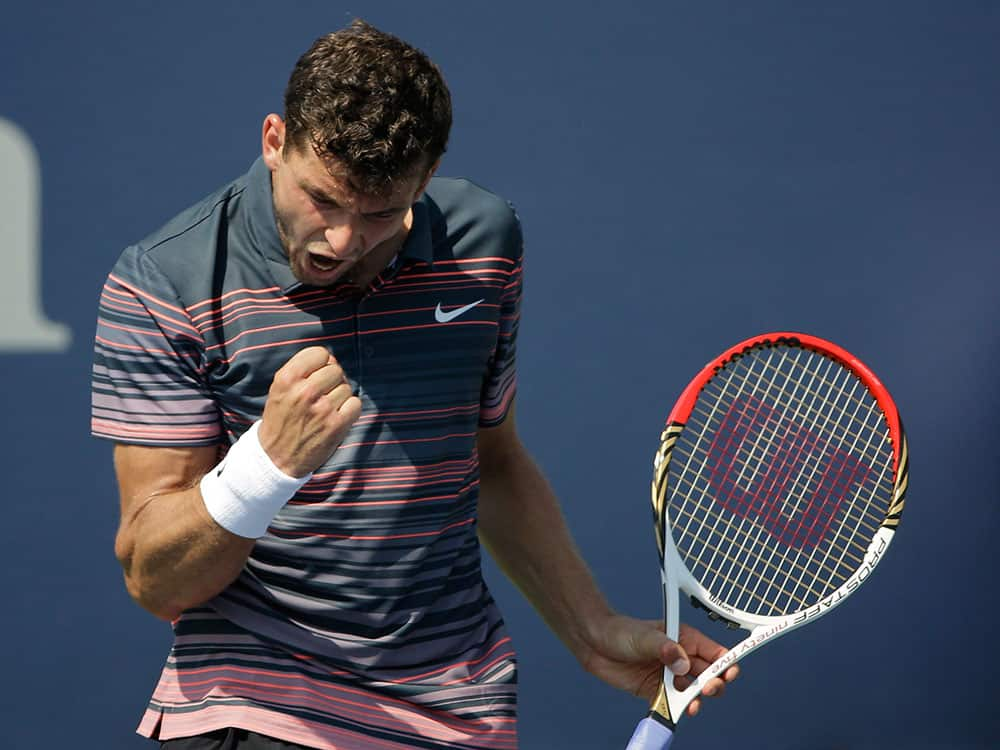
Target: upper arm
[(146, 472), (148, 388), (148, 381), (498, 446), (500, 380)]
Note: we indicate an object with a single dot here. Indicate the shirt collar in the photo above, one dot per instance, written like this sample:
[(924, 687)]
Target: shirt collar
[(263, 230)]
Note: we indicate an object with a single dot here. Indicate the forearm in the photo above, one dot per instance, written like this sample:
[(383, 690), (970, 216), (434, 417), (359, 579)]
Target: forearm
[(522, 526), (175, 556), (189, 521)]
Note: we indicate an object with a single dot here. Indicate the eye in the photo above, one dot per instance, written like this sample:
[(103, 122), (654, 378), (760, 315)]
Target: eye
[(381, 215), (322, 202)]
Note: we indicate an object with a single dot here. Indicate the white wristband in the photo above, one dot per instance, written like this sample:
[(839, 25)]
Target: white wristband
[(246, 490)]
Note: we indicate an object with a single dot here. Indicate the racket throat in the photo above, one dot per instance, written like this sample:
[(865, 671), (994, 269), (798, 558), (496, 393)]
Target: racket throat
[(670, 703), (660, 710)]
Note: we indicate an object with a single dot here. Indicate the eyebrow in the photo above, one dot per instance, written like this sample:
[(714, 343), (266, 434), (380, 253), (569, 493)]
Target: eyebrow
[(315, 192), (320, 194)]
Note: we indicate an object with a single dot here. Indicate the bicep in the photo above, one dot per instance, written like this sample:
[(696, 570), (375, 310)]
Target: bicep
[(146, 472), (498, 447)]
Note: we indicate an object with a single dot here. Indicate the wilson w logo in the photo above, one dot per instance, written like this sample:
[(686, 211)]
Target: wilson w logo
[(779, 474)]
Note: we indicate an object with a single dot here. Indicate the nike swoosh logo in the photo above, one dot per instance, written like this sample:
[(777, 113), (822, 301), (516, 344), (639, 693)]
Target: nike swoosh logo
[(446, 317)]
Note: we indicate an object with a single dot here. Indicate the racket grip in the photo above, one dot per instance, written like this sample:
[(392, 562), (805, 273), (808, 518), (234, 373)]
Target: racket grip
[(650, 735)]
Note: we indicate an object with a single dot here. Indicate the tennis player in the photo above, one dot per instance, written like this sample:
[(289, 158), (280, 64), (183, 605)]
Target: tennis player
[(309, 380)]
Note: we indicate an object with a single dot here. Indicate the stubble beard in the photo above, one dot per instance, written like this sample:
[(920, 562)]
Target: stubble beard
[(299, 259)]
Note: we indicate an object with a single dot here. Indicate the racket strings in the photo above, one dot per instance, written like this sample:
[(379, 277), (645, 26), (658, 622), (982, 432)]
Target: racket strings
[(867, 523), (758, 452), (873, 431), (771, 420), (720, 574), (772, 496), (688, 517), (746, 456), (769, 518), (835, 397), (771, 570), (748, 590)]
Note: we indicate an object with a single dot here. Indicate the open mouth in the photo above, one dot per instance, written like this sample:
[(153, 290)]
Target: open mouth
[(323, 263), (324, 270)]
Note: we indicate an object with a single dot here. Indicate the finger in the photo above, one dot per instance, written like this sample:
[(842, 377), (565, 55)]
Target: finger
[(306, 361), (682, 682), (679, 664), (325, 379), (699, 665), (638, 640), (714, 688), (700, 645), (652, 643), (669, 653), (351, 409), (339, 395)]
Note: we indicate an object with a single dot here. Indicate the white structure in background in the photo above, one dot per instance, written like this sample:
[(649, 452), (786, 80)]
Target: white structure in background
[(23, 325)]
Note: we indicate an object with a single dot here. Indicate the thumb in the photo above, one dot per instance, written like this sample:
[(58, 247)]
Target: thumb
[(651, 643), (675, 658)]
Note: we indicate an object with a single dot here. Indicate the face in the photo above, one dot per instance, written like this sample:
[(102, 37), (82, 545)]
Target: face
[(331, 233)]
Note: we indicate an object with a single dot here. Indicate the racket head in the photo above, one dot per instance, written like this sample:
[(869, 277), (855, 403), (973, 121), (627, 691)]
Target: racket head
[(778, 484)]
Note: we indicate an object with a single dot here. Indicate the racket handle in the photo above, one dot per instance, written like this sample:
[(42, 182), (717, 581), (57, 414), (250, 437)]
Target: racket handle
[(650, 735)]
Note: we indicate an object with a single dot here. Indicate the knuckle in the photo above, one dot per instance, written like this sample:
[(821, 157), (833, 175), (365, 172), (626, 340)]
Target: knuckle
[(309, 393), (282, 380), (305, 361), (320, 409), (336, 429)]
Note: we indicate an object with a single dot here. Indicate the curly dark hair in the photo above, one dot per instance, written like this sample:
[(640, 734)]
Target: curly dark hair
[(368, 102)]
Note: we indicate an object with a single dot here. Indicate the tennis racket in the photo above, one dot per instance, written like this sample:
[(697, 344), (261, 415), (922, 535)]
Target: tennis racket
[(777, 488)]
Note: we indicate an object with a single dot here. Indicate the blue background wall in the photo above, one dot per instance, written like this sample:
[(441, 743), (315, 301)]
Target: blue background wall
[(688, 174)]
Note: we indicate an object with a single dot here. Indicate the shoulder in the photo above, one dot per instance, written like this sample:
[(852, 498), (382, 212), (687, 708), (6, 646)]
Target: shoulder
[(470, 216), (184, 248), (461, 196)]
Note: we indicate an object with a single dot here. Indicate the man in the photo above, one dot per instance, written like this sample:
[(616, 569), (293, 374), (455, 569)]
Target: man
[(345, 325)]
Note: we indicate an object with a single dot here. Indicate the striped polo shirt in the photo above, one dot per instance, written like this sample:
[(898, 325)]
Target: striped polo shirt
[(361, 620)]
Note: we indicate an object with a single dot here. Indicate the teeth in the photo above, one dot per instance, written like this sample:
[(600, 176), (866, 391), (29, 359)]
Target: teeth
[(323, 263)]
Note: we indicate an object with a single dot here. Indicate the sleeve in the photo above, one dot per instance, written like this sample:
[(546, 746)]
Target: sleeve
[(148, 383), (500, 384)]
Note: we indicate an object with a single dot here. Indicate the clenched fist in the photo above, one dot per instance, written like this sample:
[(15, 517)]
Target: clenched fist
[(309, 410)]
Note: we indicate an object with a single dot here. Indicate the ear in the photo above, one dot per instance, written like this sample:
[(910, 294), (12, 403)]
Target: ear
[(426, 180), (272, 141)]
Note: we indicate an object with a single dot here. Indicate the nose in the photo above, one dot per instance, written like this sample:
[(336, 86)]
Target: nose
[(345, 239)]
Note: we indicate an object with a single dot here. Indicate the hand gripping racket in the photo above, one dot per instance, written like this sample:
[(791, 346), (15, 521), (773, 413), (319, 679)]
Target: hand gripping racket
[(777, 488)]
